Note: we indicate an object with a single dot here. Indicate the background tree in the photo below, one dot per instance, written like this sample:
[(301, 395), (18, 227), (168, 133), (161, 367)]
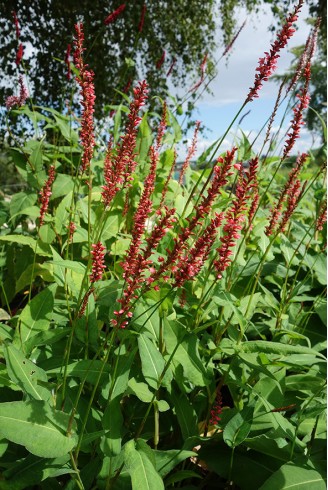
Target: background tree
[(169, 43), (162, 41)]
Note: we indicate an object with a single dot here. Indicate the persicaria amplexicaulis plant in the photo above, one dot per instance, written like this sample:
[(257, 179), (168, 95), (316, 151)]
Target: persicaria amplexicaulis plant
[(152, 313)]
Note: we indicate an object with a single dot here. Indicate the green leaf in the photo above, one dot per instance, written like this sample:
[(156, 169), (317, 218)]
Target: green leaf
[(167, 460), (152, 362), (90, 370), (181, 475), (28, 240), (144, 139), (30, 273), (238, 428), (37, 314), (276, 348), (142, 472), (185, 413), (26, 374), (70, 264), (21, 201), (46, 233), (33, 470), (62, 214), (294, 477), (46, 337), (62, 186), (187, 352), (66, 129), (38, 427), (141, 390), (112, 420)]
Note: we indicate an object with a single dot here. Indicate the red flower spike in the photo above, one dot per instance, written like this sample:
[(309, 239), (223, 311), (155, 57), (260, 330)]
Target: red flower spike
[(232, 42), (221, 173), (98, 262), (202, 77), (275, 211), (322, 216), (142, 18), (85, 302), (118, 169), (161, 127), (268, 63), (190, 154), (171, 67), (71, 230), (19, 101), (19, 54), (235, 216), (297, 121), (161, 60), (113, 16), (16, 24), (293, 199), (190, 265), (216, 410), (45, 193), (131, 263), (87, 92)]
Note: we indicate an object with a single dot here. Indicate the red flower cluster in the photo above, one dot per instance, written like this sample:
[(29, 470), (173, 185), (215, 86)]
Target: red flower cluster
[(232, 42), (268, 63), (202, 74), (216, 410), (132, 263), (322, 216), (71, 230), (221, 173), (19, 54), (275, 212), (142, 18), (297, 122), (98, 262), (85, 80), (16, 25), (14, 100), (190, 154), (161, 60), (118, 169), (294, 195), (190, 265), (161, 127), (45, 193), (171, 67), (137, 260), (113, 16), (235, 216)]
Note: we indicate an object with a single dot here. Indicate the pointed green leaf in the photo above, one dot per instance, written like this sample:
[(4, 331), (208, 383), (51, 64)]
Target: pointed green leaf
[(26, 374), (293, 477), (238, 428), (41, 249), (37, 314), (38, 427), (152, 361), (185, 413), (142, 472)]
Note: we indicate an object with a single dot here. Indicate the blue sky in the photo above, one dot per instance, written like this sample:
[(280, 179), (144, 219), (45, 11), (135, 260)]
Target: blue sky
[(231, 85)]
